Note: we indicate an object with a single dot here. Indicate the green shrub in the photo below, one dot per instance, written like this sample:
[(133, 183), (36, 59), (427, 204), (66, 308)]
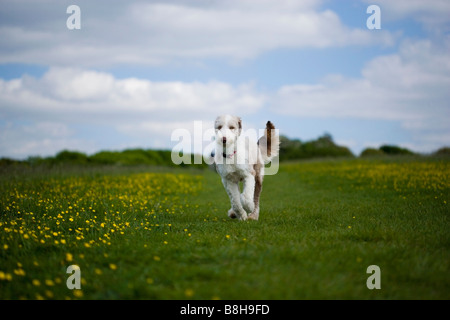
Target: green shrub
[(73, 157), (321, 148), (394, 150), (445, 151), (371, 152)]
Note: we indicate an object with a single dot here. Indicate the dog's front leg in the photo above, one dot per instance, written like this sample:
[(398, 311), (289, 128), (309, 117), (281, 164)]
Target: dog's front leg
[(247, 194), (233, 193)]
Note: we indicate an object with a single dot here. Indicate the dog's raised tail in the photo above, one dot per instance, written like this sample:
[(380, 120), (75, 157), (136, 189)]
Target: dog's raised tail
[(269, 143)]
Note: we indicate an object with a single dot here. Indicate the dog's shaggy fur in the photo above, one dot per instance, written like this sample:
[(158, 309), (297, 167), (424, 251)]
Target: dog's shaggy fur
[(237, 158)]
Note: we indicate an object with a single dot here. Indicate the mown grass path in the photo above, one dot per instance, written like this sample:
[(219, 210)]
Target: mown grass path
[(165, 235)]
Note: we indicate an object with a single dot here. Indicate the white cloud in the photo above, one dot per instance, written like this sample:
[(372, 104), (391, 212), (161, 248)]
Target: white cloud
[(410, 87), (70, 92), (38, 115), (145, 111), (40, 138), (165, 31)]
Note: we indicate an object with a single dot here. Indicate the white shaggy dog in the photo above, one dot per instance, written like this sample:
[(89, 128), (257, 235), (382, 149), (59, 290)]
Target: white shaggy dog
[(237, 158)]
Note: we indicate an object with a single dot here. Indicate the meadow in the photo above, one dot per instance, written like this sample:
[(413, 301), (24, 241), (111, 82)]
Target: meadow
[(163, 233)]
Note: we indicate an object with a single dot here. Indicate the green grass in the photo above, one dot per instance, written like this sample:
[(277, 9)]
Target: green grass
[(137, 234)]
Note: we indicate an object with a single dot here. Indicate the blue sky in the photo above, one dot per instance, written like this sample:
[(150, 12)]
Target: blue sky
[(136, 71)]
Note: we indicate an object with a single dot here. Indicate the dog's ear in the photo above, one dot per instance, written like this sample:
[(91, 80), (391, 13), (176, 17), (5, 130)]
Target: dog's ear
[(240, 125), (216, 122)]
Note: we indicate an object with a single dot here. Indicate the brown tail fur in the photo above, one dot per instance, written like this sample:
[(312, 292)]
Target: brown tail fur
[(269, 144)]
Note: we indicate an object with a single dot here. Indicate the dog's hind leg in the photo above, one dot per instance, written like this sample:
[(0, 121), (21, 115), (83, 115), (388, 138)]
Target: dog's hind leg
[(235, 199), (258, 188)]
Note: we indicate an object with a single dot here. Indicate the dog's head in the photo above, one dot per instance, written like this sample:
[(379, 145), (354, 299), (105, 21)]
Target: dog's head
[(228, 128)]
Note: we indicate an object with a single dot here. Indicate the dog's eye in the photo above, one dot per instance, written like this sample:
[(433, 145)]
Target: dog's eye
[(231, 128), (219, 127)]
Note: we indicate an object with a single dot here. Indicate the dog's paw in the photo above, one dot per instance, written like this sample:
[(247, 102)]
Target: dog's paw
[(254, 215), (247, 204), (232, 214), (243, 216)]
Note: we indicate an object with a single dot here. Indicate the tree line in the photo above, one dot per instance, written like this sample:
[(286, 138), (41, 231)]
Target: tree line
[(290, 150)]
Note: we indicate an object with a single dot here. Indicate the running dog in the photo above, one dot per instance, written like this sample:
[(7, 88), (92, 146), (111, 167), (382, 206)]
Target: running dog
[(239, 159)]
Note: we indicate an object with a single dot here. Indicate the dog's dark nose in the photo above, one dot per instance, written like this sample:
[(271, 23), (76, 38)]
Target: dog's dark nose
[(224, 140)]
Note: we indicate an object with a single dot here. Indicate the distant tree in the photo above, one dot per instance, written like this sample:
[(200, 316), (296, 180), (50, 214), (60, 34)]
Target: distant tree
[(73, 157), (290, 149), (370, 152), (105, 157), (8, 162), (324, 146), (444, 151), (394, 150)]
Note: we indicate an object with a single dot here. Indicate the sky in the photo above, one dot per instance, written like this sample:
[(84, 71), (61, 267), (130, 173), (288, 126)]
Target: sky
[(136, 71)]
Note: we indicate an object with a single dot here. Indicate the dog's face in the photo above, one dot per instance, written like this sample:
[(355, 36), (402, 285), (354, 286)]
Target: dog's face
[(228, 128)]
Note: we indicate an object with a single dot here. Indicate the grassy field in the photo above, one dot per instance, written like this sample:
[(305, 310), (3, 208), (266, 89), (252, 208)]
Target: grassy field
[(143, 233)]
